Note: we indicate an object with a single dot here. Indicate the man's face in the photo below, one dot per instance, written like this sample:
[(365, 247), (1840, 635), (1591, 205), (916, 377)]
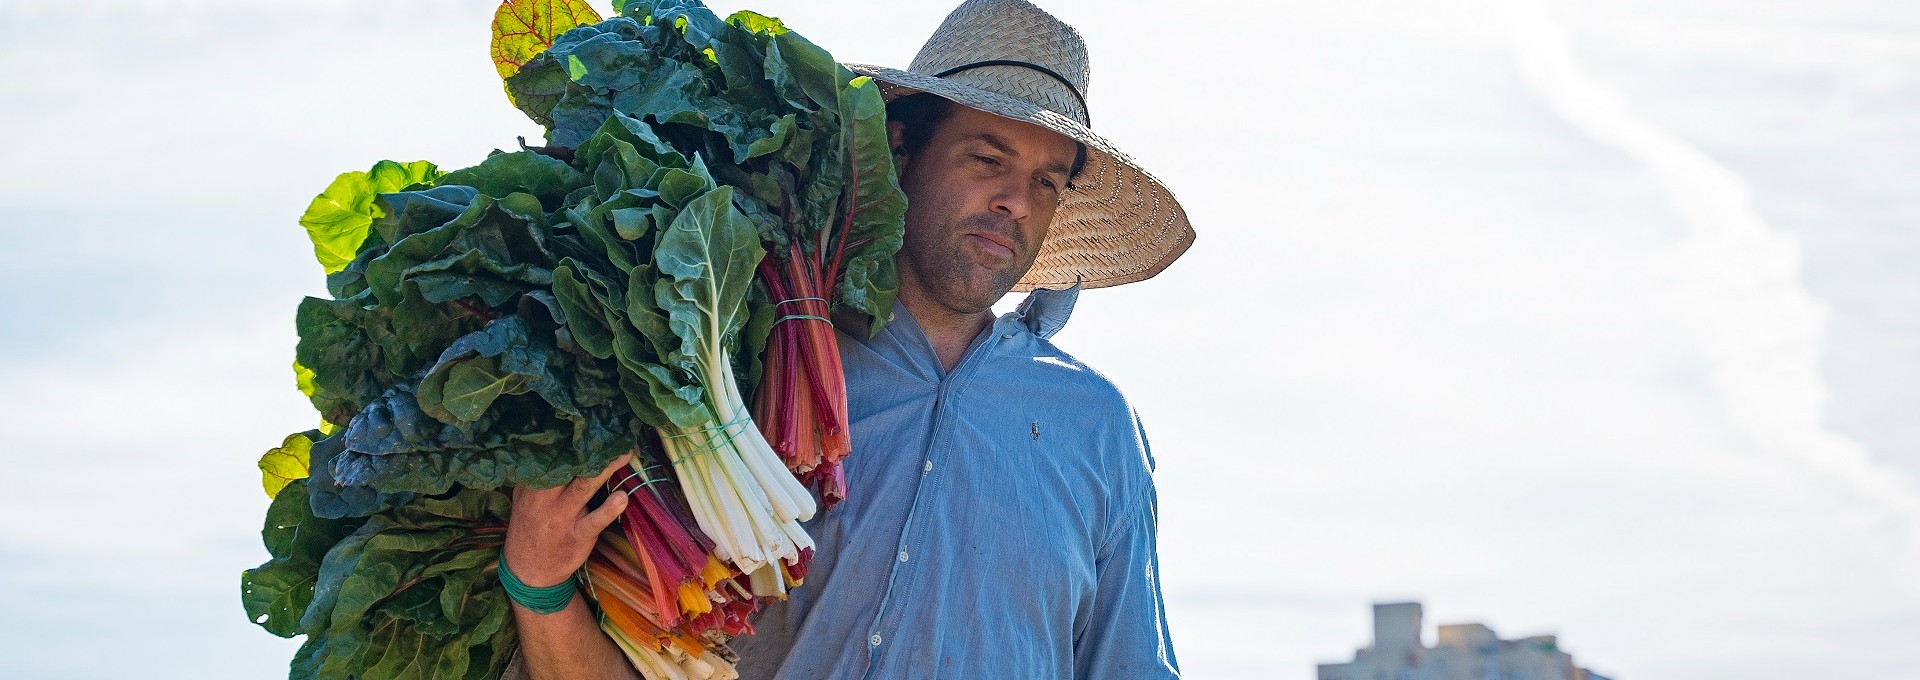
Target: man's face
[(979, 199)]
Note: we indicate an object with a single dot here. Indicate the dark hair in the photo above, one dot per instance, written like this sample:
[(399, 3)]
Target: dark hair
[(921, 113)]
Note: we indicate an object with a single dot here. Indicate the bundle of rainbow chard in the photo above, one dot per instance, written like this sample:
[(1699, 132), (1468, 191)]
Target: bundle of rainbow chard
[(710, 193)]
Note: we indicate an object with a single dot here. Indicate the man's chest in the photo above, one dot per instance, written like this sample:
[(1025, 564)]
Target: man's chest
[(980, 503), (994, 481), (977, 509)]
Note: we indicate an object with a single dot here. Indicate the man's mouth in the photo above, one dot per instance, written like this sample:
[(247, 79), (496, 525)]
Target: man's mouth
[(993, 244)]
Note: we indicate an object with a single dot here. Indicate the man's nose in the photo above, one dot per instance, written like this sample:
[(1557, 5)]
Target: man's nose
[(1010, 197)]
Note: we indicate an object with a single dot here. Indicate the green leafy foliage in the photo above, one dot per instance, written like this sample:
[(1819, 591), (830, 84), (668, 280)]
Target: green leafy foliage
[(407, 593), (705, 258), (413, 593), (874, 206), (276, 594), (804, 140), (286, 462), (338, 218), (528, 319), (524, 28)]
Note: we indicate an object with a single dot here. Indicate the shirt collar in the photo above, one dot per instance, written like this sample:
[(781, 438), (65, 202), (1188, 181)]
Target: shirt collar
[(1045, 310), (1043, 313)]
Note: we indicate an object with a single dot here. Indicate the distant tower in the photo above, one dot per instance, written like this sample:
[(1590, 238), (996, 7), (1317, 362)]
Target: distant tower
[(1396, 626), (1465, 651)]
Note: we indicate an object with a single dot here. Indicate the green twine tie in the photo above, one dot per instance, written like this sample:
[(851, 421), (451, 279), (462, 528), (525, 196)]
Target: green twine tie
[(717, 436), (542, 601)]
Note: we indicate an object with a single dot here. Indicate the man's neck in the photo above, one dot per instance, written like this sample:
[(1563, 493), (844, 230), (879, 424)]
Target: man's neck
[(949, 331)]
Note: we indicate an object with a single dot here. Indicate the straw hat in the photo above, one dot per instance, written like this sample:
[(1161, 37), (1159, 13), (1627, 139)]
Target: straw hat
[(1116, 224)]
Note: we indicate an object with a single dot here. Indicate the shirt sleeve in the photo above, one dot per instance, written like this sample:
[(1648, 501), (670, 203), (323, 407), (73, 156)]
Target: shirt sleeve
[(1126, 634)]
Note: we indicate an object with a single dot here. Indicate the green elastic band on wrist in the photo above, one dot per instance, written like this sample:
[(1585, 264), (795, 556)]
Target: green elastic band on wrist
[(542, 601)]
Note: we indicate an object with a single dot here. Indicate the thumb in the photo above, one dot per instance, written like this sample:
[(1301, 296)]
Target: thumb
[(609, 510)]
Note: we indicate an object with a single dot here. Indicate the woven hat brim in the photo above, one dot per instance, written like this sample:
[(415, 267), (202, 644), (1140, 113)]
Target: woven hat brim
[(1116, 223)]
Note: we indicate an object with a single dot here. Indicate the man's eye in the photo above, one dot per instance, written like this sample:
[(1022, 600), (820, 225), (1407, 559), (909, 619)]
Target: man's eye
[(1048, 184), (986, 159)]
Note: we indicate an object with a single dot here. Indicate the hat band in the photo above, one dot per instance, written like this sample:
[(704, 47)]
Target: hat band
[(1084, 111)]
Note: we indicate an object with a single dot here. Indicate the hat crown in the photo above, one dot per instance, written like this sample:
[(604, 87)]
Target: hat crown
[(1115, 223), (1017, 31)]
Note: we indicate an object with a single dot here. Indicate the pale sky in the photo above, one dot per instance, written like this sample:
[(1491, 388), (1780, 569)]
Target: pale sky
[(1593, 318)]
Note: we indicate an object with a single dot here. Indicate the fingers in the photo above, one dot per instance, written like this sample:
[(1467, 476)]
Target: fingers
[(615, 466), (609, 510), (583, 488)]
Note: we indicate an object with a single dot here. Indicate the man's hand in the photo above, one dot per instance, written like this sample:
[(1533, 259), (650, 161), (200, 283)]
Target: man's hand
[(551, 532), (549, 536)]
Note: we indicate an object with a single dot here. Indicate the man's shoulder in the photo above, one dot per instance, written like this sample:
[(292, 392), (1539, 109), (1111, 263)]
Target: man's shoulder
[(1053, 362), (1045, 370), (1094, 406)]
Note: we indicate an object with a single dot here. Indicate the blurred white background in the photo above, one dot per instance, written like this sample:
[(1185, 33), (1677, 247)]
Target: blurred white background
[(1594, 317)]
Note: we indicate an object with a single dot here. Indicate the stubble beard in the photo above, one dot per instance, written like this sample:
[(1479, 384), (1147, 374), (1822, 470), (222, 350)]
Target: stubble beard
[(940, 261)]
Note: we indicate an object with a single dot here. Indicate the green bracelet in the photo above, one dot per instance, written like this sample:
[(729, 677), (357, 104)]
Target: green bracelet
[(542, 601)]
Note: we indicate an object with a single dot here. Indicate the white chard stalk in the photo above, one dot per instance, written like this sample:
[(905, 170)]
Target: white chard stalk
[(741, 495)]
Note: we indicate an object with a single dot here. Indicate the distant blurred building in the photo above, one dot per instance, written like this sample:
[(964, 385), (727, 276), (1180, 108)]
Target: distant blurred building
[(1467, 651)]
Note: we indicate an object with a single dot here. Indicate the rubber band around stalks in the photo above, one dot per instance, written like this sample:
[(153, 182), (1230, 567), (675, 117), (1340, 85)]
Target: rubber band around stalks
[(633, 474), (712, 443), (808, 317)]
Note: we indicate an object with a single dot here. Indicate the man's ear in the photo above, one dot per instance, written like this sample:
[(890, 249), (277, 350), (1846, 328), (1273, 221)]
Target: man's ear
[(897, 137)]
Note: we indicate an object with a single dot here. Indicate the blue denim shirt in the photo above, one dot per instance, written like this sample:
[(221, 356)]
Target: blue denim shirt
[(1001, 521)]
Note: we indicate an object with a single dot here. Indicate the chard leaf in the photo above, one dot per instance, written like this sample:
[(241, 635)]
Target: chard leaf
[(392, 424), (404, 213), (286, 462), (706, 259), (679, 187), (621, 127), (328, 498), (303, 379), (755, 335), (802, 71), (574, 286), (337, 220), (394, 446), (754, 22), (497, 239), (662, 397), (276, 594), (503, 174), (874, 207), (522, 29), (465, 391), (472, 274), (349, 368), (504, 358)]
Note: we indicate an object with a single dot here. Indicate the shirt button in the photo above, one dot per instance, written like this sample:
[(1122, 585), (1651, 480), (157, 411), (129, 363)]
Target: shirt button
[(875, 639), (928, 468), (903, 555)]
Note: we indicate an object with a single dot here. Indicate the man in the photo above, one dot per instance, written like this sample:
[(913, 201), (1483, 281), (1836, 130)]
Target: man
[(1001, 521)]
